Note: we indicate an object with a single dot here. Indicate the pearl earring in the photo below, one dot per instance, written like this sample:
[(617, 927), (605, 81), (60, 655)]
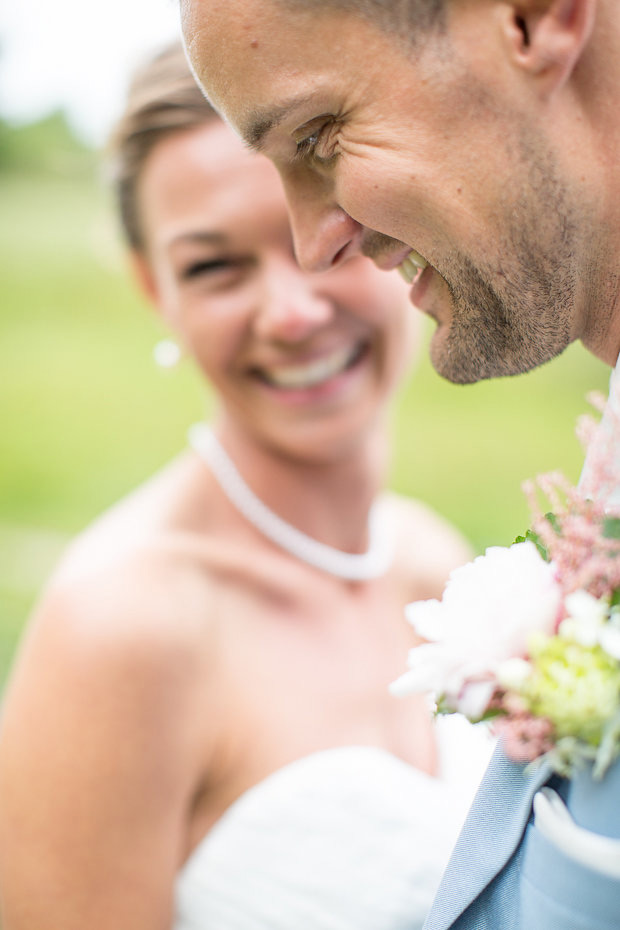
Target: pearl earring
[(166, 353)]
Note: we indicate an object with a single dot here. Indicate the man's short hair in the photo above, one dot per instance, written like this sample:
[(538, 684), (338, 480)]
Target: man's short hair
[(406, 18)]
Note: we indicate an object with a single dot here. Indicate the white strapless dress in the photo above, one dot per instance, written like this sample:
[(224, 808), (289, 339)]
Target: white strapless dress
[(350, 838)]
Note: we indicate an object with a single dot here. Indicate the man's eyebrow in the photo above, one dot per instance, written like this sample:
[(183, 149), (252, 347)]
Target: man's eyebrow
[(266, 119)]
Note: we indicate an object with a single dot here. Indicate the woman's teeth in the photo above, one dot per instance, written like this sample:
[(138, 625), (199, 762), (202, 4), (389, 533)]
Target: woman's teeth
[(313, 373), (411, 266)]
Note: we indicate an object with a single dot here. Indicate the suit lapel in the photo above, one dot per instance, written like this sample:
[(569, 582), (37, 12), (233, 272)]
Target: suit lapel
[(492, 832)]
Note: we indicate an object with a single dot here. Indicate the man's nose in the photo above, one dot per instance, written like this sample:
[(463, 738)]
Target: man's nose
[(292, 307), (324, 234)]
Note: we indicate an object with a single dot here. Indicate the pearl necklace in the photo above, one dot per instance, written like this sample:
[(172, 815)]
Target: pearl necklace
[(352, 566)]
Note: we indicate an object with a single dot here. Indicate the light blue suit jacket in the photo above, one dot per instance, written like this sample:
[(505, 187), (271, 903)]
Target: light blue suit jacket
[(504, 875)]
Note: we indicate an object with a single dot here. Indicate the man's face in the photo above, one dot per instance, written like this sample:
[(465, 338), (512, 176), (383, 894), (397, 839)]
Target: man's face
[(386, 148)]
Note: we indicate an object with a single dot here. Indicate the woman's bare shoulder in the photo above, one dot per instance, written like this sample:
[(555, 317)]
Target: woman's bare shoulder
[(429, 546), (129, 607), (126, 607), (136, 573), (109, 698)]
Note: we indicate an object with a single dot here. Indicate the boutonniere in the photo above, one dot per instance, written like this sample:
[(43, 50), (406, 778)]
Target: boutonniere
[(528, 636)]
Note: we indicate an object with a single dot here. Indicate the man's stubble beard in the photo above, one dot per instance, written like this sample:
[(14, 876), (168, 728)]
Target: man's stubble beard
[(515, 316), (493, 335)]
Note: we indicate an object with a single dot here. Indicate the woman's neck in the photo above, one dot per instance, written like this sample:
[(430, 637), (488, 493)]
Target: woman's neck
[(328, 499)]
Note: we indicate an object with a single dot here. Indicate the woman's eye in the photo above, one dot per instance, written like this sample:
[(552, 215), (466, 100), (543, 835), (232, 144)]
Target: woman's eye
[(217, 274), (206, 267)]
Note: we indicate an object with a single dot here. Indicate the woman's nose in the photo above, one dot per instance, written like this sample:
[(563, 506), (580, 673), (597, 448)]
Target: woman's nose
[(292, 307)]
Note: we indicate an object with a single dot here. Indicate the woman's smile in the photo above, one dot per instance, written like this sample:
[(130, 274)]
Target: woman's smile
[(317, 371)]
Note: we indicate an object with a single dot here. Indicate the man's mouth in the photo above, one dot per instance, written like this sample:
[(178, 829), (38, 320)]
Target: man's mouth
[(312, 373), (411, 266)]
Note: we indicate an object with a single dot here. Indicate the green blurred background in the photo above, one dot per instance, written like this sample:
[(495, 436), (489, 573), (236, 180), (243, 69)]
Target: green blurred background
[(85, 415)]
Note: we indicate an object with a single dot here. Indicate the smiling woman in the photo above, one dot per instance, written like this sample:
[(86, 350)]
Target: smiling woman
[(304, 359), (205, 680)]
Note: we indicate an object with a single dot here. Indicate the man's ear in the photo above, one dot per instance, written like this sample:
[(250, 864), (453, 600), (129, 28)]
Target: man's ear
[(548, 37)]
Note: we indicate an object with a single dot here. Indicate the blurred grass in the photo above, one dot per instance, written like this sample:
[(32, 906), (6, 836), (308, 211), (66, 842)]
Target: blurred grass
[(467, 449), (86, 415)]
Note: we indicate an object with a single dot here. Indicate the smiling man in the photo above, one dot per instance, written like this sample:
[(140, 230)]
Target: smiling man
[(470, 142), (474, 145)]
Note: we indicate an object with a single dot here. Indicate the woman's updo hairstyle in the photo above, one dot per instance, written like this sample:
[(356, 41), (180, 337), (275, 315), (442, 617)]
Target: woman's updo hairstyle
[(163, 98)]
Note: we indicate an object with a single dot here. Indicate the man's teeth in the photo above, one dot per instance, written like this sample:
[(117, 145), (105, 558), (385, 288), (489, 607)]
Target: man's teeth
[(411, 266), (305, 376)]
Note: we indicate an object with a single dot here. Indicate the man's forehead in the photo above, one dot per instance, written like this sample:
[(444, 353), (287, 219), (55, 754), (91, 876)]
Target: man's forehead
[(235, 23), (225, 41), (256, 93), (258, 76)]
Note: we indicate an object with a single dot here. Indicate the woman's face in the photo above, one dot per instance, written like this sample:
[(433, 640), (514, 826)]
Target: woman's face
[(303, 361)]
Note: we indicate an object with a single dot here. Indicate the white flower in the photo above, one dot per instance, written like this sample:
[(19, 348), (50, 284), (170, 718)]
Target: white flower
[(513, 673), (609, 639), (488, 611), (589, 624), (585, 620)]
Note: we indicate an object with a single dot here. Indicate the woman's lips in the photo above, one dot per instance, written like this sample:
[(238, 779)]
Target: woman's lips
[(310, 374)]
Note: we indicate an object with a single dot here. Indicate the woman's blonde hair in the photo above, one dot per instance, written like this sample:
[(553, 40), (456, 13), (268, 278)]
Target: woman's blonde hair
[(163, 98)]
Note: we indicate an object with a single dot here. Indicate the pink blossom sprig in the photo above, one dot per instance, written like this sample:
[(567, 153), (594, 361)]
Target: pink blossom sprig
[(525, 736), (574, 536)]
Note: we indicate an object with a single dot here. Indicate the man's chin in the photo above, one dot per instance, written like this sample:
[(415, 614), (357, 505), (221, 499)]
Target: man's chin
[(462, 361), (451, 363)]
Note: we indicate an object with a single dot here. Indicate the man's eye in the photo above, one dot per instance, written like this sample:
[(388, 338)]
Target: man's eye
[(319, 145), (308, 145)]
